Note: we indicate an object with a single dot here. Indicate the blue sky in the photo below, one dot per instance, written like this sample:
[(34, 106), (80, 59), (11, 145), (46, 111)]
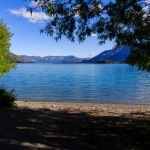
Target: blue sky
[(27, 39)]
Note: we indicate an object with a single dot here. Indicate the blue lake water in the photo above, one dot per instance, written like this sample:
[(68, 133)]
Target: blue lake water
[(105, 83)]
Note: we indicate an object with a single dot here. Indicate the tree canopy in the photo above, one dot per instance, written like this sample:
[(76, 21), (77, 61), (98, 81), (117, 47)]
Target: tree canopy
[(6, 61), (127, 22)]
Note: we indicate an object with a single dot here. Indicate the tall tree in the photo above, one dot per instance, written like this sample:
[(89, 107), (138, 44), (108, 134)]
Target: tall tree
[(6, 61), (127, 22)]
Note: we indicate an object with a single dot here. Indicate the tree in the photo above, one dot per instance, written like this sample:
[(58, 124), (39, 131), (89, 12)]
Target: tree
[(127, 22), (6, 61)]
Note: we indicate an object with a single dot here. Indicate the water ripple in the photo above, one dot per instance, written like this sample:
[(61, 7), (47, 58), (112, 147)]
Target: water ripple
[(79, 82)]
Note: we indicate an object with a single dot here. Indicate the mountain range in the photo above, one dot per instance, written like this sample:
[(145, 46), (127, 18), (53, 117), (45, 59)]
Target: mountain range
[(52, 59), (109, 56)]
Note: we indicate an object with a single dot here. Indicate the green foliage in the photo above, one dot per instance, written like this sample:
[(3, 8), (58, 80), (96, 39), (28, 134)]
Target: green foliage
[(6, 61), (7, 99), (69, 17), (127, 22)]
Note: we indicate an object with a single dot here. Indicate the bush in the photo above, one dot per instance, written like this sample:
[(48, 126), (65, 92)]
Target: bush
[(7, 99)]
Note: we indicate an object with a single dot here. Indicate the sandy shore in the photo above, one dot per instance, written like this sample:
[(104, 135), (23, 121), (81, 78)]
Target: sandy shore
[(92, 108)]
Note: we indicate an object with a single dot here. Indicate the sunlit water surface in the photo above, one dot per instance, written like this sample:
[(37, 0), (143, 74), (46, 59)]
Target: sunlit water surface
[(105, 83)]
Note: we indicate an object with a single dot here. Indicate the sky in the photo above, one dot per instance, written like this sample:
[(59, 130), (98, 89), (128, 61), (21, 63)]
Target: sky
[(27, 39)]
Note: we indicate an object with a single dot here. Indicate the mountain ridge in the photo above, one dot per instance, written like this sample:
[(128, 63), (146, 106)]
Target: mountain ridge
[(114, 55), (52, 59)]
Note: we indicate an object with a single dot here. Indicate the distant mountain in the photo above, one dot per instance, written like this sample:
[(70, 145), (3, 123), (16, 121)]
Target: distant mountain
[(52, 59), (114, 55), (24, 61), (21, 60), (118, 55)]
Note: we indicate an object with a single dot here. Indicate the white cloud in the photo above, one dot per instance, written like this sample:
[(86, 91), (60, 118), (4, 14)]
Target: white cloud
[(36, 17), (93, 34), (90, 55), (33, 3)]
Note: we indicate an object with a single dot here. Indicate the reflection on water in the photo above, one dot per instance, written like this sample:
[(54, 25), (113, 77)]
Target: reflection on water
[(116, 83)]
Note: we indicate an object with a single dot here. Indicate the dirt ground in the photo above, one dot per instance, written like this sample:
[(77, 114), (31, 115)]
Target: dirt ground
[(63, 127)]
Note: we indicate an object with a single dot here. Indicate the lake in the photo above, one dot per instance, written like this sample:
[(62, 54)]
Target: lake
[(104, 83)]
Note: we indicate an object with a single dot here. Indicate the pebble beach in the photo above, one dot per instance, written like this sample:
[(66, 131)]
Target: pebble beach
[(40, 125), (91, 108)]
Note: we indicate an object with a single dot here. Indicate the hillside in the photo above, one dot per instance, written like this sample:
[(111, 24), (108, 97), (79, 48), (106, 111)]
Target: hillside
[(105, 62), (20, 60), (114, 55), (52, 59), (109, 56)]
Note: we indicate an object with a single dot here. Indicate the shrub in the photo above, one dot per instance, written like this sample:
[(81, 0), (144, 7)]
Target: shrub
[(7, 99)]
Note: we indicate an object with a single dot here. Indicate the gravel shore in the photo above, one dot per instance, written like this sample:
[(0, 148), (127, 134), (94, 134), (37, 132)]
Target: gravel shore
[(92, 108), (39, 125)]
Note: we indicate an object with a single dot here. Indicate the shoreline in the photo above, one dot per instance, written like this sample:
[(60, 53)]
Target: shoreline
[(84, 102), (88, 107)]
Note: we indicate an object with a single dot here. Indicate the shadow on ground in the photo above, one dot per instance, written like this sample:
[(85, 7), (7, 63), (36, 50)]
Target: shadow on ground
[(47, 129)]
